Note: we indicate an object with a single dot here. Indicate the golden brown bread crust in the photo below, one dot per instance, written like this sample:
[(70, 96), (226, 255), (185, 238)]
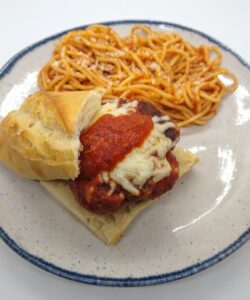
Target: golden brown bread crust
[(40, 140), (109, 228)]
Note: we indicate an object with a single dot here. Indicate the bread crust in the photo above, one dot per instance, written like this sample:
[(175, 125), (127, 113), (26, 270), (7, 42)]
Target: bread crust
[(40, 140), (109, 228)]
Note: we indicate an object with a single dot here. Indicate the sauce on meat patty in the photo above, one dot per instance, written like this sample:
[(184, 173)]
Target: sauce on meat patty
[(108, 141)]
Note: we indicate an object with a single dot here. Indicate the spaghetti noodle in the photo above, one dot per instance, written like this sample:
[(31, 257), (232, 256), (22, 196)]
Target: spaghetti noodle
[(181, 80)]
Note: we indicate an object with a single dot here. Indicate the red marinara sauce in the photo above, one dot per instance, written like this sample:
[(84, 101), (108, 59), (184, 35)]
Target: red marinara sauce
[(107, 142), (110, 139)]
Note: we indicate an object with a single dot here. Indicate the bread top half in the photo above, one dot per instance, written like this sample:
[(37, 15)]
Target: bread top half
[(40, 140)]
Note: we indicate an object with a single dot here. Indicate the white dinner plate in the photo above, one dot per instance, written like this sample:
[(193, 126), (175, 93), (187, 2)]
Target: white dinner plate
[(201, 221)]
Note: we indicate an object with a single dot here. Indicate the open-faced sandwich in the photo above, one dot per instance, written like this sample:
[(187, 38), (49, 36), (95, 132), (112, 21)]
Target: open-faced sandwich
[(103, 163)]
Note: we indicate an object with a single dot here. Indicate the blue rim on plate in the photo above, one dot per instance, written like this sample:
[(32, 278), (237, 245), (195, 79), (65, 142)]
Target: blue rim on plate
[(128, 281)]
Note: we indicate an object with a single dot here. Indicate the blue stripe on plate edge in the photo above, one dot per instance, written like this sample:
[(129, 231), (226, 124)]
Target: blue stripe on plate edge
[(129, 281)]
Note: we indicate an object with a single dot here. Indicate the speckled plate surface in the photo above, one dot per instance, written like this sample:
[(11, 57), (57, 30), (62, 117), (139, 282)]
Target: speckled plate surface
[(205, 218)]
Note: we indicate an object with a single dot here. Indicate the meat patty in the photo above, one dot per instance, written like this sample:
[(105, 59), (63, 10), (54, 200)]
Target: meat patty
[(146, 108), (99, 197), (95, 195)]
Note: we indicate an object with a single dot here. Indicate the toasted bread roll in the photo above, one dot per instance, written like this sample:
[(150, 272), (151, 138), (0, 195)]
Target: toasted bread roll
[(40, 140), (109, 228)]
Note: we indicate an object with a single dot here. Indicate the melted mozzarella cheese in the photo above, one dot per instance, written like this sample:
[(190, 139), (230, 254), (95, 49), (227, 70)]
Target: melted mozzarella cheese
[(113, 109), (144, 162)]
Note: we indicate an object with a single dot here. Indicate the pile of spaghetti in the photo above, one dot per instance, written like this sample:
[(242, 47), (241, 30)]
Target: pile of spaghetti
[(181, 80)]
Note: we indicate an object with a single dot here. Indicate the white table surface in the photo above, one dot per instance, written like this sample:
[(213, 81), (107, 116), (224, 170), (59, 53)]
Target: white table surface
[(24, 22)]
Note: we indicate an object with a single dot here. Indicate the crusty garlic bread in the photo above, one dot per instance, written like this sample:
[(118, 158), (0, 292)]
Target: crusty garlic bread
[(109, 228), (40, 140)]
